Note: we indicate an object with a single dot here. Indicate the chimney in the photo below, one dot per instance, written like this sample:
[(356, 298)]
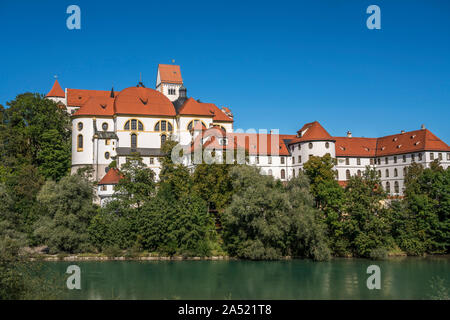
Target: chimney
[(422, 127), (402, 132), (349, 134)]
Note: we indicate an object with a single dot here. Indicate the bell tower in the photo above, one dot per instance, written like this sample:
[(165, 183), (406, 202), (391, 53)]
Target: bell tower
[(169, 81)]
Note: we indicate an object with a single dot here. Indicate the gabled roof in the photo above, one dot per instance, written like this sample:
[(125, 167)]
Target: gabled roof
[(97, 106), (312, 131), (413, 141), (193, 107), (111, 177), (56, 91), (170, 73)]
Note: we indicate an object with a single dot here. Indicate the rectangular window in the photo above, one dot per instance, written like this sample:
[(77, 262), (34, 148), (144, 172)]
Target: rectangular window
[(371, 161), (282, 160), (448, 156), (404, 158), (107, 141), (152, 160), (413, 157), (293, 160), (358, 161), (269, 160), (386, 160), (395, 159), (103, 187), (431, 155), (440, 156), (347, 161), (299, 159)]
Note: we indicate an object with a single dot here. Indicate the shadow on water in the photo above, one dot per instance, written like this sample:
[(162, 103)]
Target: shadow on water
[(401, 278)]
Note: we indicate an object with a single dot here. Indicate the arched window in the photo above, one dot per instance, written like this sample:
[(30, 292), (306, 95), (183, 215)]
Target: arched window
[(420, 156), (283, 174), (387, 173), (396, 187), (379, 173), (347, 174), (192, 124), (270, 172), (133, 141), (80, 126), (80, 142), (163, 139), (388, 187), (404, 171), (133, 125), (163, 125), (395, 172), (310, 145), (359, 173), (327, 145)]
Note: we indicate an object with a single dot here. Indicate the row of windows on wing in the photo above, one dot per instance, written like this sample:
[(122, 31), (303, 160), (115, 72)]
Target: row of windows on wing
[(310, 146), (133, 142), (395, 158)]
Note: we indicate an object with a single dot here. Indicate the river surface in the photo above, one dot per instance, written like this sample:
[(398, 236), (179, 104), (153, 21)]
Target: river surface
[(401, 278)]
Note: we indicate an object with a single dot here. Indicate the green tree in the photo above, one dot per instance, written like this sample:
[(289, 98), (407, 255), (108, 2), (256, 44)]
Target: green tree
[(137, 184), (267, 221), (68, 209), (427, 196), (366, 225)]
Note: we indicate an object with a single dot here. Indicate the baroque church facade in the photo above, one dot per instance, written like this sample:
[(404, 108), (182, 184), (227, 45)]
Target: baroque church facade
[(112, 125)]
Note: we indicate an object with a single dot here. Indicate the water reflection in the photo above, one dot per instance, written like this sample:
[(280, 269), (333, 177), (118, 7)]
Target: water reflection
[(298, 279)]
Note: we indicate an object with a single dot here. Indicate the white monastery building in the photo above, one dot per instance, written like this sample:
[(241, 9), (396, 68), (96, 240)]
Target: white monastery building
[(113, 125)]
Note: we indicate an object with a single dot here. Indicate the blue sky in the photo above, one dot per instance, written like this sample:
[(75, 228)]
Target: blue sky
[(276, 64)]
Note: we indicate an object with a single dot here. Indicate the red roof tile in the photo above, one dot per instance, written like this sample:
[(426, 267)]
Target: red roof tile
[(312, 131), (254, 143), (355, 147), (143, 101), (56, 91), (111, 177), (193, 107), (78, 97), (97, 106), (170, 73)]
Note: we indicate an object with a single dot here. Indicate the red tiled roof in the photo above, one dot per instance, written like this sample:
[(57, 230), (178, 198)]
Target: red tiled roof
[(78, 97), (170, 73), (312, 131), (143, 101), (254, 143), (111, 177), (355, 147), (413, 141), (97, 106), (193, 107), (56, 91)]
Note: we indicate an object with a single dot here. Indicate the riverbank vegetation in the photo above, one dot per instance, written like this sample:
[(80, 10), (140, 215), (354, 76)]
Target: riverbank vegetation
[(215, 210)]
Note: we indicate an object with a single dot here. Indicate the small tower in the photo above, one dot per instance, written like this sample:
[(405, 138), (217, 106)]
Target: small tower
[(57, 94), (169, 81)]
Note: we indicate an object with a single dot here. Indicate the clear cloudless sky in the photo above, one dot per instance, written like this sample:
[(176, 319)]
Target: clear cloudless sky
[(276, 64)]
